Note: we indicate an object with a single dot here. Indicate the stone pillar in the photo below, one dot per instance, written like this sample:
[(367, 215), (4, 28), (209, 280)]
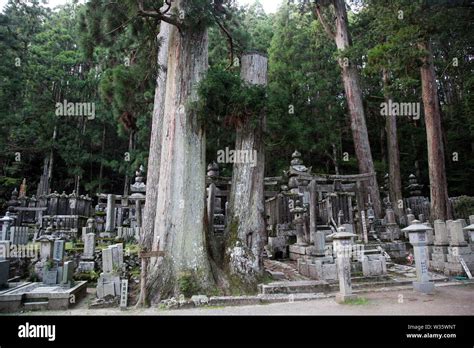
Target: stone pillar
[(418, 238), (320, 243), (313, 203), (138, 212), (342, 246), (211, 196), (110, 214), (410, 216)]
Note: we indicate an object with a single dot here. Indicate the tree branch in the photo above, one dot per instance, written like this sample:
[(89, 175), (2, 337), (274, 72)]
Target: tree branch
[(230, 41), (327, 29), (157, 14)]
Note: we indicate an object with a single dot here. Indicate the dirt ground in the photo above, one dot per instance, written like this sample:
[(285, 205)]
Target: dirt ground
[(447, 300)]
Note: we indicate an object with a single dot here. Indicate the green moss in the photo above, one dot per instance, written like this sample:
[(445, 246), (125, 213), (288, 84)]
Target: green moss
[(188, 284), (359, 301)]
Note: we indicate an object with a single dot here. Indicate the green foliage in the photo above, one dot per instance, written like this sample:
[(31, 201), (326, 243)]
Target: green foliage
[(187, 284), (224, 98)]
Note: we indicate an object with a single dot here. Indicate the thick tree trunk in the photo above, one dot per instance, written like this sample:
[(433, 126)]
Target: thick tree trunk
[(438, 183), (154, 155), (180, 221), (101, 169), (245, 230), (395, 181), (126, 184), (353, 91)]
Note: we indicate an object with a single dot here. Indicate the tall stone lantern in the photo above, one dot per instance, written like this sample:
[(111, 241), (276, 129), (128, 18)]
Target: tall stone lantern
[(342, 249), (419, 239), (297, 210)]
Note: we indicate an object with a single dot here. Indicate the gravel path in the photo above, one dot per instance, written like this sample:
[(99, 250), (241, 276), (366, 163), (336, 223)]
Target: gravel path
[(448, 300)]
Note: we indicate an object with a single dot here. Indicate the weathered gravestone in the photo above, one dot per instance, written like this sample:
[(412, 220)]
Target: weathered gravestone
[(50, 277), (58, 250), (89, 246), (68, 272), (107, 263)]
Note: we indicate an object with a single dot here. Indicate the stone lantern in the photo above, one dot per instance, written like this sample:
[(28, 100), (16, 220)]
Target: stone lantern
[(470, 230), (297, 211), (419, 239), (342, 249)]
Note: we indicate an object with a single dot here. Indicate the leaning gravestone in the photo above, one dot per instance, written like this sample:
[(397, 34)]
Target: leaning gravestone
[(68, 272)]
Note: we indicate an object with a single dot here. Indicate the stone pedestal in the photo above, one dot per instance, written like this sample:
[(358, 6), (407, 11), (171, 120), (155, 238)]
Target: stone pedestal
[(418, 238)]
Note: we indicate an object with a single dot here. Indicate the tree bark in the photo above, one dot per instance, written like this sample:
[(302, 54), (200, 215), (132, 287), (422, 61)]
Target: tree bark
[(153, 167), (245, 230), (395, 181), (180, 219), (350, 77), (434, 136)]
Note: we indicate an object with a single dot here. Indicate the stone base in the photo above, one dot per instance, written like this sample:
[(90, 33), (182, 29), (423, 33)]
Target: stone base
[(318, 269), (424, 287), (297, 251), (341, 298)]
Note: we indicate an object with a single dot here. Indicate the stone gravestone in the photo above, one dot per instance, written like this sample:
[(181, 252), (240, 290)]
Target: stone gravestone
[(456, 233), (89, 247), (46, 247), (4, 270), (124, 294), (68, 272), (107, 262), (50, 277), (58, 250)]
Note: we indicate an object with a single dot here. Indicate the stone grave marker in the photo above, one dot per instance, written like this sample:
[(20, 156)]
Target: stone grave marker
[(89, 246), (58, 250), (50, 277), (68, 272), (124, 294), (107, 262)]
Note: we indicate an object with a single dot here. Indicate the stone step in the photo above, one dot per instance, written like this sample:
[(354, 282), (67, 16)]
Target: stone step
[(36, 306), (291, 287)]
